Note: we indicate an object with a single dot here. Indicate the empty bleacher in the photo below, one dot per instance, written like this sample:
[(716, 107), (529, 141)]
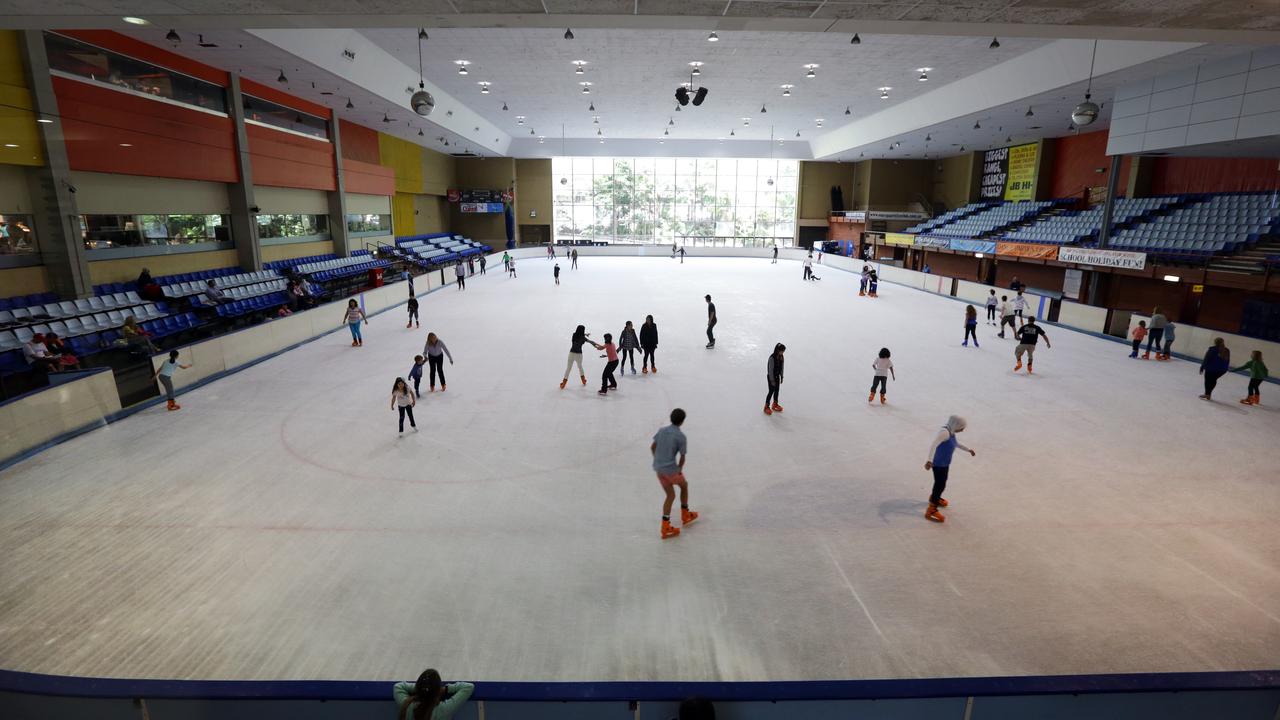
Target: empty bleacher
[(1076, 226), (992, 219), (1204, 226), (437, 249), (949, 216)]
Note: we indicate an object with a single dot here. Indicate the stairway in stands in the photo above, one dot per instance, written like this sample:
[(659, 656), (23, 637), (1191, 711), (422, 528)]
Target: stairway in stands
[(1248, 262)]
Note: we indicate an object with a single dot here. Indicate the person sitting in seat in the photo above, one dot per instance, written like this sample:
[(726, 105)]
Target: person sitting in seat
[(292, 298), (213, 295), (60, 352), (135, 337), (37, 355), (148, 289)]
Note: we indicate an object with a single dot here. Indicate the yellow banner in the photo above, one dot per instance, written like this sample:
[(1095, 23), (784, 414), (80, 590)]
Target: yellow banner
[(899, 239), (1022, 172)]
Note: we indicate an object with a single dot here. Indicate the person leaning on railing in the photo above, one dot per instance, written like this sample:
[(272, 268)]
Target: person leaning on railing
[(429, 698)]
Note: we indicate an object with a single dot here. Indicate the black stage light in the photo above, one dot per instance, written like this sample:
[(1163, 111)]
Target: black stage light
[(699, 96), (682, 95)]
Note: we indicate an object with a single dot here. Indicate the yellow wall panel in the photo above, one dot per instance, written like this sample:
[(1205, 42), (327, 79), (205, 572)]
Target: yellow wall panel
[(126, 269), (405, 159), (23, 281), (402, 215), (17, 121), (271, 253), (439, 172)]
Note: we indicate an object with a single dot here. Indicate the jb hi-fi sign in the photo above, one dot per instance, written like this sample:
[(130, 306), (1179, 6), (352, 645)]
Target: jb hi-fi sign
[(1009, 173)]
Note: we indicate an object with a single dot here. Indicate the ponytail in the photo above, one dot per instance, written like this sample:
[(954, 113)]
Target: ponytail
[(426, 695)]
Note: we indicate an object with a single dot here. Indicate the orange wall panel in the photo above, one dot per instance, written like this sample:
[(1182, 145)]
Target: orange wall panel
[(1076, 161), (266, 92), (368, 178), (125, 45), (359, 142), (165, 140), (283, 159)]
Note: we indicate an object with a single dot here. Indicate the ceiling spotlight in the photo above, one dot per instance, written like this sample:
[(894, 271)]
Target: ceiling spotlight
[(422, 34), (44, 120), (961, 148), (462, 66), (762, 110), (530, 132), (677, 107), (11, 145), (135, 20), (385, 119), (713, 37), (995, 43), (661, 141), (697, 68), (599, 132), (484, 87), (884, 92), (1009, 139), (856, 40), (731, 133), (682, 95), (671, 121), (699, 96), (519, 119), (595, 120), (579, 66), (977, 125), (746, 121), (592, 107), (797, 133), (786, 89), (541, 139), (568, 34), (928, 138), (504, 105), (601, 141), (420, 133), (924, 74), (819, 122), (586, 90), (282, 78), (1028, 113), (665, 132), (350, 105), (847, 111), (172, 36)]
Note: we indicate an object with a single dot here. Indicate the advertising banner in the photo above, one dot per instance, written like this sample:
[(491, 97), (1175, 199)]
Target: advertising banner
[(481, 207), (1104, 258), (896, 215), (973, 246), (1028, 250), (899, 239), (1009, 173), (935, 242)]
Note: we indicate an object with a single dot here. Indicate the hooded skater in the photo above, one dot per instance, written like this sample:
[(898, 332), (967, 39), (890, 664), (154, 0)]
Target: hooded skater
[(940, 453), (773, 377), (649, 344)]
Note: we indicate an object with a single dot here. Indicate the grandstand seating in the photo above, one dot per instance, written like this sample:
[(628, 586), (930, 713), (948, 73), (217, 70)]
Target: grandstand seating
[(1074, 226), (279, 265), (992, 218), (1204, 226), (949, 216), (437, 248), (225, 282)]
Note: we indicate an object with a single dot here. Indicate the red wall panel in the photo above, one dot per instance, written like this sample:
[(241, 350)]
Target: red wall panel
[(266, 92), (368, 178), (359, 143), (125, 45), (1189, 175), (166, 140), (282, 159), (1075, 165)]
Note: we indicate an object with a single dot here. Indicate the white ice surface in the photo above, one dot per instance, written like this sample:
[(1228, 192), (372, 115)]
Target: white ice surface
[(278, 527)]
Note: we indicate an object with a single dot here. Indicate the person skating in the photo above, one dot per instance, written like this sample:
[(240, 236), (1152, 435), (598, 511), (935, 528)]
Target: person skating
[(775, 255), (506, 261), (669, 449), (873, 284), (939, 461), (1006, 316), (511, 267), (413, 312), (649, 344), (415, 373), (992, 301), (1155, 335), (884, 369), (436, 351), (574, 256), (681, 254), (607, 381), (674, 248), (483, 262), (627, 344), (1216, 362), (808, 266), (1257, 373), (462, 275), (556, 271), (862, 281), (1169, 332), (403, 399), (773, 377), (576, 341), (353, 316), (1027, 335), (1138, 334), (551, 252), (164, 374), (1020, 307), (711, 323), (970, 326)]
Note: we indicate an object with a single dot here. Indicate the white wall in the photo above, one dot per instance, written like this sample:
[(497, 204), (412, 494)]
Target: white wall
[(110, 194), (1194, 341), (368, 204), (37, 418), (275, 200)]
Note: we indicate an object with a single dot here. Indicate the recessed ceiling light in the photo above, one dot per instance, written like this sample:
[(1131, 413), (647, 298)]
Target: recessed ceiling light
[(44, 120), (135, 20), (126, 144), (713, 37), (541, 139), (10, 145)]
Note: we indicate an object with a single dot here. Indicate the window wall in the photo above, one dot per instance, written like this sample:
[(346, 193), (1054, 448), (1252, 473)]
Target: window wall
[(695, 201), (269, 113), (368, 224), (102, 232), (293, 227), (122, 72), (16, 236)]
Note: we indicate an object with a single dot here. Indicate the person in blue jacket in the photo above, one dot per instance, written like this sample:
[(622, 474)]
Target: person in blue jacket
[(429, 698), (1216, 363), (944, 446)]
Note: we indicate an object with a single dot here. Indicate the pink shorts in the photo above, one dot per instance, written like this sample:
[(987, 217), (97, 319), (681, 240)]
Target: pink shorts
[(671, 479)]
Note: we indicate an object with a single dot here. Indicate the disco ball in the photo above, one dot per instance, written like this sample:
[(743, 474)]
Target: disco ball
[(564, 181), (422, 103), (1085, 113)]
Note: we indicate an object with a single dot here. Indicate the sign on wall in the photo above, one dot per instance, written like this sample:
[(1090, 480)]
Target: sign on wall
[(1009, 173), (1103, 258), (937, 242), (481, 207), (974, 246), (899, 239), (1027, 250)]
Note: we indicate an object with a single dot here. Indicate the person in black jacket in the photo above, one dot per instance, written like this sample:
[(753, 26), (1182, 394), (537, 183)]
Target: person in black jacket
[(648, 343), (627, 344), (773, 376)]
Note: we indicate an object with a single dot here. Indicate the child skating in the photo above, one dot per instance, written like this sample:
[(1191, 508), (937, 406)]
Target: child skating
[(884, 369), (511, 267), (462, 275), (403, 399), (992, 301), (939, 461), (165, 372), (607, 381), (627, 344), (576, 341), (873, 284), (353, 317), (413, 312), (970, 326), (669, 449), (1169, 332), (1257, 373), (415, 373), (1027, 335), (1139, 333), (1020, 307), (773, 377), (863, 280), (1006, 316)]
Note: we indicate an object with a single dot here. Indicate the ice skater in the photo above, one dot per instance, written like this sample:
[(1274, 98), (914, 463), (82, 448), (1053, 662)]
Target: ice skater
[(556, 271), (1155, 335), (649, 344), (674, 247), (992, 301), (1020, 307), (511, 267), (775, 255), (483, 262), (574, 258), (873, 284), (884, 370), (970, 326), (576, 341), (353, 317), (773, 377), (808, 266), (669, 449), (681, 254), (551, 252), (939, 461), (436, 351), (506, 261), (403, 399), (429, 698), (1168, 341), (1257, 373), (607, 381), (862, 282), (627, 343), (462, 275), (415, 374), (1139, 333), (165, 372), (1216, 362), (711, 323), (413, 312), (1027, 335), (1006, 316)]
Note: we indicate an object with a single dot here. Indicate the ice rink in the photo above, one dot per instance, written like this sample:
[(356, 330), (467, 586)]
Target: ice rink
[(278, 527)]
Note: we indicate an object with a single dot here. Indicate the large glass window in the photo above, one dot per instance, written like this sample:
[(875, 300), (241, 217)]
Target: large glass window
[(370, 224), (292, 226), (16, 236), (716, 201), (113, 231), (87, 61), (269, 113)]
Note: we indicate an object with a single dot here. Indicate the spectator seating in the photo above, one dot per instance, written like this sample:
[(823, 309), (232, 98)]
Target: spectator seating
[(949, 216), (245, 292), (166, 280), (439, 248), (1075, 226), (338, 268), (280, 265), (992, 219), (225, 282), (1204, 226)]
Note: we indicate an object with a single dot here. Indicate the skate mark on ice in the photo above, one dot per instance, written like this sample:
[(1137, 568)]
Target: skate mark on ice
[(1225, 588), (852, 591)]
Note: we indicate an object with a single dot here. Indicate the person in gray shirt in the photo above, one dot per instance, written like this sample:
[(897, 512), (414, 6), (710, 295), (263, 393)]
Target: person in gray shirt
[(669, 449)]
